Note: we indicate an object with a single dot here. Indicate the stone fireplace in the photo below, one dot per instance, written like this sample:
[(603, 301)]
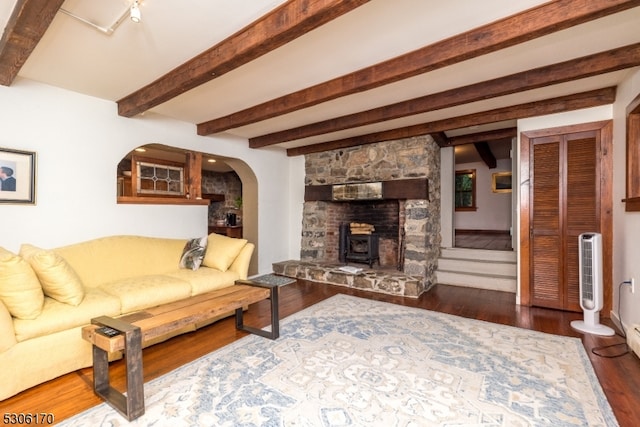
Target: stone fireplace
[(406, 215)]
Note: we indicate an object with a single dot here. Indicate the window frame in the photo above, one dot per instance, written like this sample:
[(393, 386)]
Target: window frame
[(473, 206), (138, 161), (157, 165), (632, 191)]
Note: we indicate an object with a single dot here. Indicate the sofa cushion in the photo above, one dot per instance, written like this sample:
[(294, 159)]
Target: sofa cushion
[(222, 251), (193, 253), (58, 279), (57, 316), (7, 334), (138, 293), (113, 258), (20, 290), (206, 279)]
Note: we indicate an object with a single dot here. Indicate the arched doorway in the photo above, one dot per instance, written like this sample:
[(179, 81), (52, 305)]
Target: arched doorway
[(237, 192)]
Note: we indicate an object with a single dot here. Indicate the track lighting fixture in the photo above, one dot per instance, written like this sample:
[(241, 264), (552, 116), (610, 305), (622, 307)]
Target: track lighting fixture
[(134, 12)]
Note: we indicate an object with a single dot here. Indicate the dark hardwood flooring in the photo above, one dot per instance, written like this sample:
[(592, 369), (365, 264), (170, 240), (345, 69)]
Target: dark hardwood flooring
[(620, 377)]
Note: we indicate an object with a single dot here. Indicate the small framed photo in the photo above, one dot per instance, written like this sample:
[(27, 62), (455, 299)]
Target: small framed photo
[(501, 182), (17, 176)]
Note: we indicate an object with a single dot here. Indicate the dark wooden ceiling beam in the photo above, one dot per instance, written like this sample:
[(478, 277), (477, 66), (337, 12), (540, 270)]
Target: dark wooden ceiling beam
[(587, 66), (441, 139), (26, 26), (572, 102), (485, 153), (536, 22), (492, 135), (284, 24)]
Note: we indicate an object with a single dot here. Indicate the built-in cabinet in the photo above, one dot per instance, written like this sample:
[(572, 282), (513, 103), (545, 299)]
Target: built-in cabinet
[(566, 192)]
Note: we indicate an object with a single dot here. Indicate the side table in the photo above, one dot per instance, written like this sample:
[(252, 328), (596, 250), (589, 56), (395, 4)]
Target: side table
[(273, 282)]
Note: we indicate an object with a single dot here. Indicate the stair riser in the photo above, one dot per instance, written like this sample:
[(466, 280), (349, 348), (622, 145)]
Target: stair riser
[(478, 255), (477, 282), (479, 267)]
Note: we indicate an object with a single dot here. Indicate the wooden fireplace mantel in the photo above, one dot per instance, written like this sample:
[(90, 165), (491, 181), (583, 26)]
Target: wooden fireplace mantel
[(417, 188)]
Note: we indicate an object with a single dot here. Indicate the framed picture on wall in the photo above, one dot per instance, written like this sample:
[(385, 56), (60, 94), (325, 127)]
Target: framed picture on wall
[(501, 182), (17, 176)]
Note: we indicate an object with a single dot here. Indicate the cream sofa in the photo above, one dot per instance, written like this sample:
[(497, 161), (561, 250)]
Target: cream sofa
[(47, 296)]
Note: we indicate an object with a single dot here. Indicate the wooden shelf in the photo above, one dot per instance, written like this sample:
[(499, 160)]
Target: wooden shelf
[(160, 201), (227, 230), (415, 188), (213, 197), (632, 204)]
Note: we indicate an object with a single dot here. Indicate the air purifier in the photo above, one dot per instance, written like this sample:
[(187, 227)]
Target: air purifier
[(590, 278)]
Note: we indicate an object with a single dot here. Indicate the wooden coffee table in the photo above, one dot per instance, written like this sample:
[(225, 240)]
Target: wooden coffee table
[(134, 329)]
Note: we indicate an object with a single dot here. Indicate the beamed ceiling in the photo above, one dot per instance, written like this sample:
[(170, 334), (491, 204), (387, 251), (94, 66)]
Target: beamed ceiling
[(309, 76)]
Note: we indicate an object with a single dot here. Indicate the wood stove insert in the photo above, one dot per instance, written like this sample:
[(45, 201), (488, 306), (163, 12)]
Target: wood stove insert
[(359, 248)]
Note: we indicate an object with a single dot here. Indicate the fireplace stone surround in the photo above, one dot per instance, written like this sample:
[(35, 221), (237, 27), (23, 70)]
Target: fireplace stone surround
[(411, 241)]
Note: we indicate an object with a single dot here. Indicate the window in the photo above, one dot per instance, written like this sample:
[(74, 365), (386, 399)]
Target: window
[(165, 175), (156, 178), (632, 200), (465, 190)]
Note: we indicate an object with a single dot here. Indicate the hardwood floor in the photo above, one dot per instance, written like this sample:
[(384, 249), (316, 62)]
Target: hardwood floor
[(620, 377)]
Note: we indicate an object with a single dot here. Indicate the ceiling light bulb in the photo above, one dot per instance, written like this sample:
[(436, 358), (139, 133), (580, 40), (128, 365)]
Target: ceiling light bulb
[(135, 14)]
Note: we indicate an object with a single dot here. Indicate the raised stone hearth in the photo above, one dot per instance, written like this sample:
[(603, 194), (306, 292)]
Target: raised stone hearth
[(382, 281)]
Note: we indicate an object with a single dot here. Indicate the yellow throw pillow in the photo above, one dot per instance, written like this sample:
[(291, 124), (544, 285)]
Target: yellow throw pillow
[(222, 251), (58, 279), (7, 331), (20, 290)]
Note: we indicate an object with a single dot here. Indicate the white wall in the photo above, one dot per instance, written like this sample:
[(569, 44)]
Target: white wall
[(565, 119), (626, 225), (494, 209), (447, 202), (296, 192), (79, 141)]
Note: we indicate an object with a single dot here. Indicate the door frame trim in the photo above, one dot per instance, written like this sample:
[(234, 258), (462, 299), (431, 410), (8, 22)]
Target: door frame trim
[(606, 208)]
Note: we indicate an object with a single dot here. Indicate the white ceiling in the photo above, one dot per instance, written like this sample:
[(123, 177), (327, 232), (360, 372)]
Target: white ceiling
[(77, 57), (5, 11)]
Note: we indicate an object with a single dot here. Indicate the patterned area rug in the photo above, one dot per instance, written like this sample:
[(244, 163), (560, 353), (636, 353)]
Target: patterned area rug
[(350, 361)]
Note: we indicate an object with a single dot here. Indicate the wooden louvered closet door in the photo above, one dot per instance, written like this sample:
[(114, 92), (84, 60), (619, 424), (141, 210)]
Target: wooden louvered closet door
[(565, 202)]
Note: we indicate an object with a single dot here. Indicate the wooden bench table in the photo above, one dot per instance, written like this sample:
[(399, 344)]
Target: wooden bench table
[(146, 325)]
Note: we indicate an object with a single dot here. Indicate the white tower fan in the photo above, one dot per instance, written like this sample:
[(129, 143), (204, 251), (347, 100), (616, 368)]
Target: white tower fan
[(591, 294)]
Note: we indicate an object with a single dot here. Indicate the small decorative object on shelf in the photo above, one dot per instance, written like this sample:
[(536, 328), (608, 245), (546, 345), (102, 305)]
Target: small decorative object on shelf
[(238, 202)]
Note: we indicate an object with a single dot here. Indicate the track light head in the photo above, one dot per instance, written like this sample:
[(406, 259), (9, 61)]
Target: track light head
[(134, 12)]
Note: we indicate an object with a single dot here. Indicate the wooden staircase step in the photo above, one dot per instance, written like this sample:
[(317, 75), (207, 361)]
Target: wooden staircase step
[(478, 268)]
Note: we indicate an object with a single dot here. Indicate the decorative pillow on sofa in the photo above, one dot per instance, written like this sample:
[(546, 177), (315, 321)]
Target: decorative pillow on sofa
[(58, 279), (193, 253), (222, 251), (20, 290)]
